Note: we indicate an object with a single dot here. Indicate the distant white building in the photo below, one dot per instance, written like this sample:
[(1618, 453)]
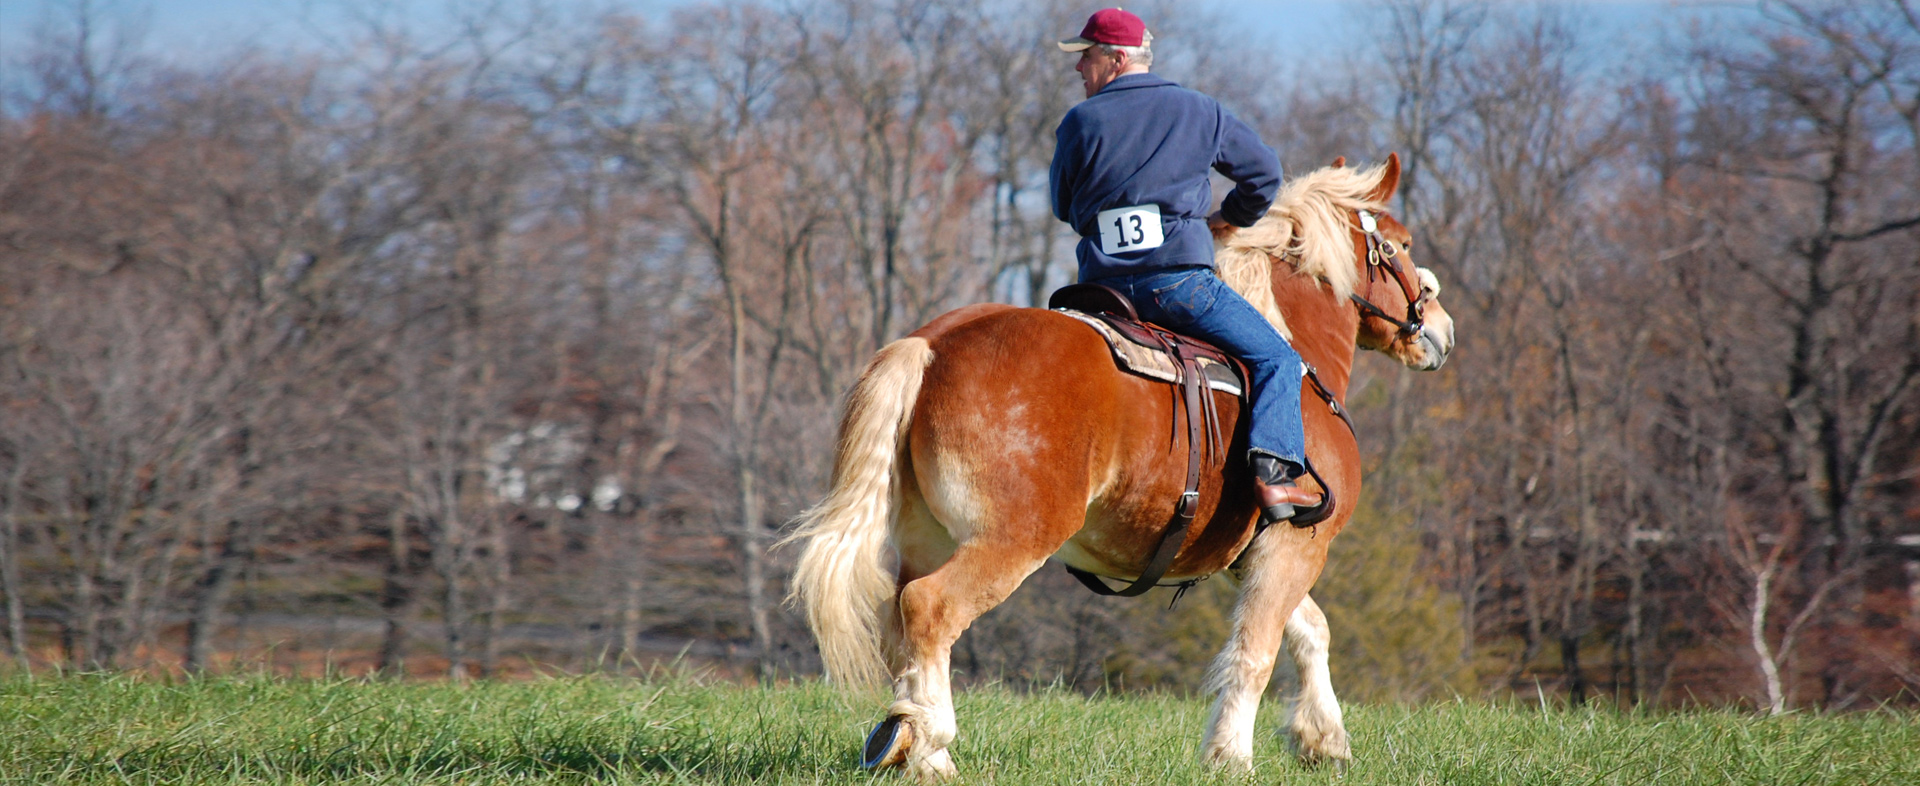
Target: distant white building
[(536, 467)]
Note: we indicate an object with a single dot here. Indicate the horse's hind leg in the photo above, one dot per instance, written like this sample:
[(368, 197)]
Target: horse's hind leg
[(1283, 564), (1314, 728), (923, 545), (933, 611)]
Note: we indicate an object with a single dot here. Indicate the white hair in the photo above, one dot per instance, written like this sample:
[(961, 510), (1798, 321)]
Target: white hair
[(1141, 55)]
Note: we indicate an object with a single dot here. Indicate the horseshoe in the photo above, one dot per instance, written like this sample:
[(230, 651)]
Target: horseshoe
[(886, 745)]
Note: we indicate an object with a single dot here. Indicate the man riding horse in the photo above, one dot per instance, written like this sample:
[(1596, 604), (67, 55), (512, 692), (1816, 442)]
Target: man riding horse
[(1130, 175), (995, 438)]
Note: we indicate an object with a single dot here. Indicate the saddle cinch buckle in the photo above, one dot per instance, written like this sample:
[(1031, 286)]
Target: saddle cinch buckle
[(1189, 504)]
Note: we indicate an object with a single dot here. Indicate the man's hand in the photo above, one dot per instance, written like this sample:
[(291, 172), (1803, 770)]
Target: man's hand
[(1218, 223)]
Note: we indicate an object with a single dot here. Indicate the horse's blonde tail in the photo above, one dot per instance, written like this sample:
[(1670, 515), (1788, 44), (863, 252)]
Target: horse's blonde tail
[(841, 579)]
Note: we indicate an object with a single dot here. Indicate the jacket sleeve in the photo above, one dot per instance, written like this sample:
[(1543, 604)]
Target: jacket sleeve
[(1252, 166), (1064, 173)]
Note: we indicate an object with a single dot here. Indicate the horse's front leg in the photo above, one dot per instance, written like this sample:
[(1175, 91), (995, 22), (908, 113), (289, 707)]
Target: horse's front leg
[(1283, 564), (1314, 728)]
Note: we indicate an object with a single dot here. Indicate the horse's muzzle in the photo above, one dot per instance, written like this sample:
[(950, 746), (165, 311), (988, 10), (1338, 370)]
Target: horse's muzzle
[(1432, 351)]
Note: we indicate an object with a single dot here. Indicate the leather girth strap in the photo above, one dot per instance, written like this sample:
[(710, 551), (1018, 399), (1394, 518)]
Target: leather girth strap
[(1196, 402)]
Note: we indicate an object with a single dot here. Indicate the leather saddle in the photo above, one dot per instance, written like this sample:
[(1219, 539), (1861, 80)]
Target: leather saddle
[(1143, 348)]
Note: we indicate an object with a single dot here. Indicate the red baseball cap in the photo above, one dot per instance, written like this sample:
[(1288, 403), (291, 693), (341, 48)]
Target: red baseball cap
[(1110, 26)]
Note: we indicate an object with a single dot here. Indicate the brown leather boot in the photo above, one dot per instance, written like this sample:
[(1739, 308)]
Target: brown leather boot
[(1280, 498)]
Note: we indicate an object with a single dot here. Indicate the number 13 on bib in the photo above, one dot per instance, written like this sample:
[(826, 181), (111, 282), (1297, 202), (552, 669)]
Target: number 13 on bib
[(1127, 229)]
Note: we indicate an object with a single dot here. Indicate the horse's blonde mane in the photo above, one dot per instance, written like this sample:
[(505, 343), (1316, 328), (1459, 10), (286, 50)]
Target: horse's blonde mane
[(1307, 228)]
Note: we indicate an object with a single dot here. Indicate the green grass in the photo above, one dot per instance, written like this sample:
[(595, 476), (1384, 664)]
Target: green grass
[(119, 729)]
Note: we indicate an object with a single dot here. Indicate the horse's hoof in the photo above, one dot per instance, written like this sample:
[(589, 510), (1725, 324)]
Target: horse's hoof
[(887, 744), (1316, 747), (1227, 760)]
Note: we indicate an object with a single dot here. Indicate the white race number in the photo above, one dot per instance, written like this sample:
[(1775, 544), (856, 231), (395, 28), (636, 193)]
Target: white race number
[(1126, 229)]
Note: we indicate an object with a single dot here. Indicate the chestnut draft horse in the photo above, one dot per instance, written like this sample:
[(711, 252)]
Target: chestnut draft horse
[(995, 437)]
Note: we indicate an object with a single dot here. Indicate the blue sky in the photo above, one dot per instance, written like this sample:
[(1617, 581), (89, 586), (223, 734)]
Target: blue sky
[(185, 27)]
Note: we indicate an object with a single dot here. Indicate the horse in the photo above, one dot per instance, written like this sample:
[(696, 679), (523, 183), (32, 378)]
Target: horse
[(995, 437)]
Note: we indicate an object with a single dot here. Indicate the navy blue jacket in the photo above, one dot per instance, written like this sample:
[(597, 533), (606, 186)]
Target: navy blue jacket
[(1144, 140)]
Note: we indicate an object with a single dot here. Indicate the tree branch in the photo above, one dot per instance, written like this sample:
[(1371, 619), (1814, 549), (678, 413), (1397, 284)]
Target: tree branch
[(1869, 234)]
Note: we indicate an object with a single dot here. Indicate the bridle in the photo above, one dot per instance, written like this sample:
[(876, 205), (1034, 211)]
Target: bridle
[(1383, 256)]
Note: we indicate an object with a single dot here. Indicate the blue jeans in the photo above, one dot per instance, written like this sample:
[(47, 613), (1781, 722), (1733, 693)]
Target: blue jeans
[(1192, 301)]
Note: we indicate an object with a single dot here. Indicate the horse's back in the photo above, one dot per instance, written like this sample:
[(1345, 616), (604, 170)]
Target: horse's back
[(959, 316)]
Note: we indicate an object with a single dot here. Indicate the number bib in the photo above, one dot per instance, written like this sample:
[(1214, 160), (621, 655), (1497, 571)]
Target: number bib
[(1126, 229)]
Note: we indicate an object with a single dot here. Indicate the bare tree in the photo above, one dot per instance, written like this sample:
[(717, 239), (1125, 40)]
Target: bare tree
[(1816, 118)]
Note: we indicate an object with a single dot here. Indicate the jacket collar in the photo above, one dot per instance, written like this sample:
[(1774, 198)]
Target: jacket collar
[(1132, 81)]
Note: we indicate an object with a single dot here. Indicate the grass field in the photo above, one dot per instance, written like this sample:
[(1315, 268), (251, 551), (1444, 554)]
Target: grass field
[(675, 729)]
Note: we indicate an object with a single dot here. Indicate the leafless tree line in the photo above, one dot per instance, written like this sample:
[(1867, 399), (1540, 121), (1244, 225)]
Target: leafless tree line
[(542, 322), (1687, 426)]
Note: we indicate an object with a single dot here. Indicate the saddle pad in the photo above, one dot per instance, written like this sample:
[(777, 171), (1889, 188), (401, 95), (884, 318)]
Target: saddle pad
[(1153, 363)]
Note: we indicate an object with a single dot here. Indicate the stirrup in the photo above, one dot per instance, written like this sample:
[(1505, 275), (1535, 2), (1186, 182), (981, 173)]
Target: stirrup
[(1291, 500), (1307, 517), (1301, 517), (1318, 513)]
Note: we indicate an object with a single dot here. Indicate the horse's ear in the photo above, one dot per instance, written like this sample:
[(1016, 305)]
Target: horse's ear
[(1339, 162), (1389, 180)]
